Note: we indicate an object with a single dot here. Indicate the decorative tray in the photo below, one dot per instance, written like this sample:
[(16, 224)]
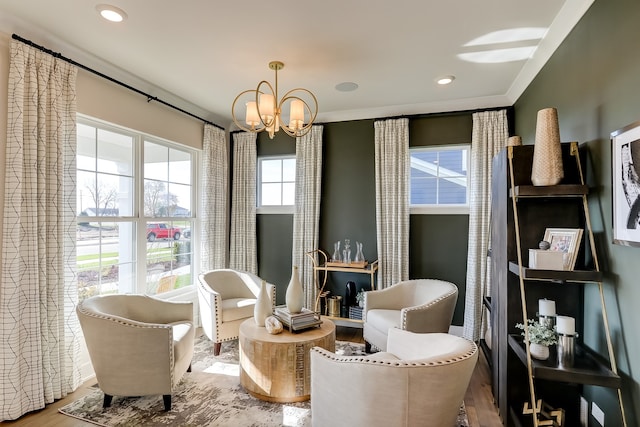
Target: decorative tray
[(352, 264)]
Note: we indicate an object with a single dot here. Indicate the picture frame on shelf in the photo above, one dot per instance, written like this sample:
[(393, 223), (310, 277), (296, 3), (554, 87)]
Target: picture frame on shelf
[(625, 171), (566, 240)]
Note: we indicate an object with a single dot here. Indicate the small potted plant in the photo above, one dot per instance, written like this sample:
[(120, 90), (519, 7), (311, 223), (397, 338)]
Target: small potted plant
[(540, 338), (360, 298)]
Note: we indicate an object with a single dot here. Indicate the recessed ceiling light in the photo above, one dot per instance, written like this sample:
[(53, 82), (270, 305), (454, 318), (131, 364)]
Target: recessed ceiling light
[(111, 13), (445, 80), (346, 86)]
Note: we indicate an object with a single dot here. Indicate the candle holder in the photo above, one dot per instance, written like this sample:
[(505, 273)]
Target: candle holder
[(566, 350), (548, 321)]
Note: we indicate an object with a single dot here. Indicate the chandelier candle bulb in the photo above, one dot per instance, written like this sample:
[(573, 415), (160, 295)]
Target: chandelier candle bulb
[(566, 325)]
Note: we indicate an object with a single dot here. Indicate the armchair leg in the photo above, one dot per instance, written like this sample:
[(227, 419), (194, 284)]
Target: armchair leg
[(216, 348), (367, 347), (166, 398), (107, 400)]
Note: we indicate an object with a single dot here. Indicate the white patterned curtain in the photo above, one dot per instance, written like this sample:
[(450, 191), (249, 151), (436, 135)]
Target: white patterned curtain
[(306, 219), (392, 200), (490, 133), (243, 253), (39, 331), (215, 170)]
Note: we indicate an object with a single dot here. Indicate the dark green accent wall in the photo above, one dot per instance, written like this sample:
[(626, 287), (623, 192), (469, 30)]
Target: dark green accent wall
[(593, 79), (438, 243)]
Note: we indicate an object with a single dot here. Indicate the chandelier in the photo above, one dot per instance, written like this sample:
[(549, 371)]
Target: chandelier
[(264, 111)]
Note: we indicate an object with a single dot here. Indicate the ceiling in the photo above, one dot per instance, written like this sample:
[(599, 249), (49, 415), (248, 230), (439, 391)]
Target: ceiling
[(199, 54)]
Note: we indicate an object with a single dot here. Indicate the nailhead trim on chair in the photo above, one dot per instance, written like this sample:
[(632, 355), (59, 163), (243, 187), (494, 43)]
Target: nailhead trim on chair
[(420, 307), (363, 359)]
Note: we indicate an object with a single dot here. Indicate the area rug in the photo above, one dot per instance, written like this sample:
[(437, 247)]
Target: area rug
[(208, 396)]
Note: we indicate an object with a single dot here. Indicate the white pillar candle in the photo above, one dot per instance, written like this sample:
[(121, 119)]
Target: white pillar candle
[(566, 325), (546, 307)]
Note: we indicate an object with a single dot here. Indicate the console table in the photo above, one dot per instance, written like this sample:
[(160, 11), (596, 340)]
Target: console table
[(276, 368)]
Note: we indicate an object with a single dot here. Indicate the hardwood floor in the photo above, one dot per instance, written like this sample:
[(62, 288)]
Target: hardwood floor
[(478, 400)]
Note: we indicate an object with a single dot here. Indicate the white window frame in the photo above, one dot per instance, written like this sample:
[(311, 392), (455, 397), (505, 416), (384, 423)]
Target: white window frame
[(436, 209), (138, 218), (271, 209)]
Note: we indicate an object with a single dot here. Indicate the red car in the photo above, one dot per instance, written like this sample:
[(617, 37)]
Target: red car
[(162, 231)]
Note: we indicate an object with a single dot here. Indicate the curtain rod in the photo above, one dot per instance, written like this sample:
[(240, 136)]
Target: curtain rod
[(111, 79)]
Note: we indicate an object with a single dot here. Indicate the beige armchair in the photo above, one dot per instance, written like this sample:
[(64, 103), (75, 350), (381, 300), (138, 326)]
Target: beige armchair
[(227, 298), (420, 381), (422, 305), (138, 345)]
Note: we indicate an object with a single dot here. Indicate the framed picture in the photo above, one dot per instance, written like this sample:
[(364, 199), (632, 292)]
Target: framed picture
[(566, 240), (625, 186)]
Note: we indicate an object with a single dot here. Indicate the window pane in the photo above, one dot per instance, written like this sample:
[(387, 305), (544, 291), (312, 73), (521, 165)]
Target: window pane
[(276, 181), (115, 153), (271, 194), (86, 147), (288, 194), (168, 257), (156, 161), (167, 189), (452, 193), (179, 167), (438, 176), (271, 170), (424, 191), (289, 170), (156, 198), (180, 198), (110, 191), (105, 258)]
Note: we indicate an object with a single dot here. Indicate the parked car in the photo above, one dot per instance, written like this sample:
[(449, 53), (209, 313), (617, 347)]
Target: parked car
[(186, 233), (162, 231)]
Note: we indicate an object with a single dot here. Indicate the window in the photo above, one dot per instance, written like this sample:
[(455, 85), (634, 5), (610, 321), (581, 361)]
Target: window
[(276, 184), (135, 205), (439, 179)]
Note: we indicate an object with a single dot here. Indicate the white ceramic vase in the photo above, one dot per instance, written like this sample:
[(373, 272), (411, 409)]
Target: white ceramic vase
[(263, 307), (539, 351), (294, 297)]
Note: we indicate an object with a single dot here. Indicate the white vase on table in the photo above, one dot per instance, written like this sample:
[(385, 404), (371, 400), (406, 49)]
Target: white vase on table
[(263, 307), (294, 297)]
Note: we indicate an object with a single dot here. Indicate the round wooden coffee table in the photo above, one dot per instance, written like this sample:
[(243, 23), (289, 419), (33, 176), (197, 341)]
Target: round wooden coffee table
[(276, 368)]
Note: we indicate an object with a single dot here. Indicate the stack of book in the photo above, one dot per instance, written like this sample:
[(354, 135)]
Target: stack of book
[(355, 312), (297, 321)]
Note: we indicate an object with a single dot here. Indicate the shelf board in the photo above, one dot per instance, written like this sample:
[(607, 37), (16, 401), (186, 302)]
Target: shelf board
[(345, 321), (586, 370), (369, 269), (577, 276), (563, 190)]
